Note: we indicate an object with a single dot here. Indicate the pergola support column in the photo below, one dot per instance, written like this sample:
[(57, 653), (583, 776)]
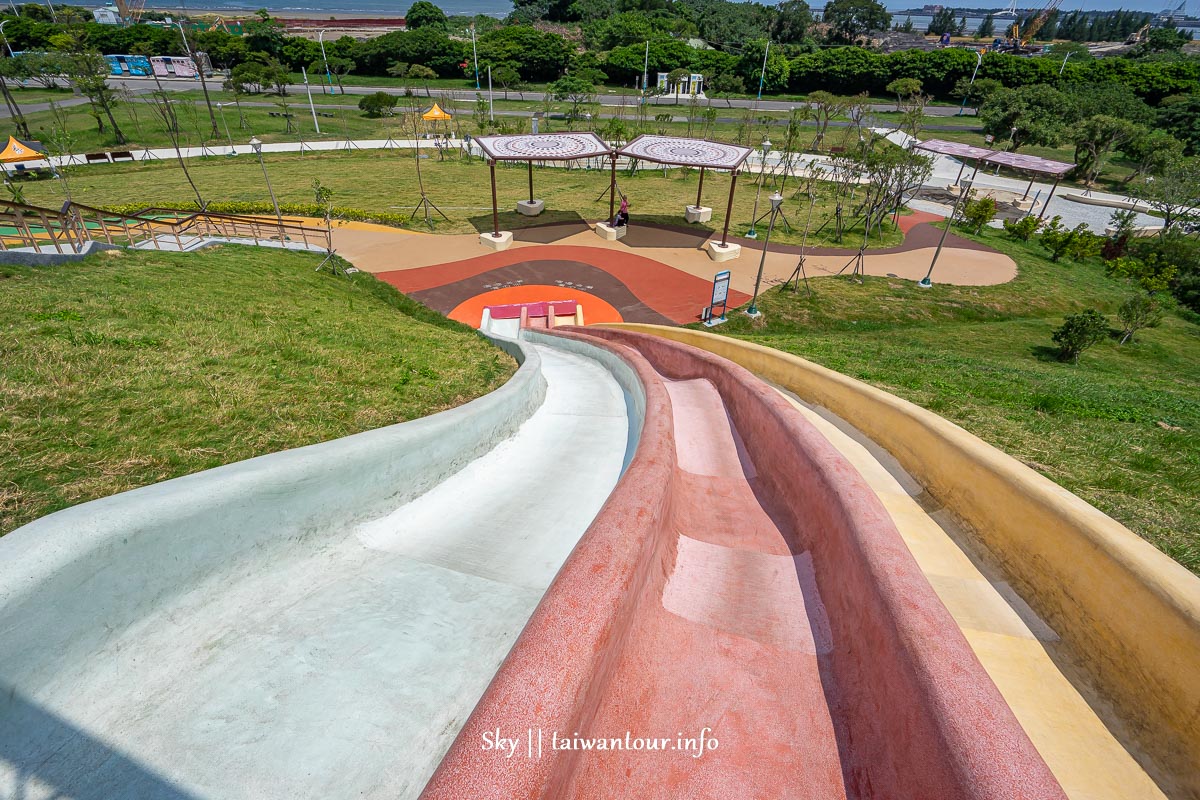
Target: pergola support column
[(1049, 197), (530, 207), (497, 239), (724, 251), (698, 212)]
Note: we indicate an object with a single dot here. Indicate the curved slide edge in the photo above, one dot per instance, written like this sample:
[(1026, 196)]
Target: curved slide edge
[(921, 717), (1129, 614), (72, 579)]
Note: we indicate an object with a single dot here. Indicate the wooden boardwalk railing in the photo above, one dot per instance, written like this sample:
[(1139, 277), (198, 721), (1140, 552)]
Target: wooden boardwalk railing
[(70, 227)]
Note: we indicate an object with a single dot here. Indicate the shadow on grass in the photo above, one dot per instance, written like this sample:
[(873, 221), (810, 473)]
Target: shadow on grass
[(1047, 353)]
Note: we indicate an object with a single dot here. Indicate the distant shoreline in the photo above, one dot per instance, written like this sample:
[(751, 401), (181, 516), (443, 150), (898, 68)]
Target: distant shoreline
[(230, 13)]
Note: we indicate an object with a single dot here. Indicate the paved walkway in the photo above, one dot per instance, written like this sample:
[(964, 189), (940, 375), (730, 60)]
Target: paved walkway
[(654, 274)]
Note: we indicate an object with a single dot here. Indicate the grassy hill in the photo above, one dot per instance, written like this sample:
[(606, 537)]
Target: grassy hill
[(129, 368), (1121, 429)]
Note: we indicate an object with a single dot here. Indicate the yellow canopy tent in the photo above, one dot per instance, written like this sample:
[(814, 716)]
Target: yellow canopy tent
[(436, 114), (16, 150)]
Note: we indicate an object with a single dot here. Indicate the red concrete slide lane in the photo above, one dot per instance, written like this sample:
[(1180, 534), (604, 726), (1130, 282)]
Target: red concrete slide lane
[(742, 582)]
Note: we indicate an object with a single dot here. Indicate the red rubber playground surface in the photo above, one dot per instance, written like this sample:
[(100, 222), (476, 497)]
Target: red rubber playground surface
[(629, 287)]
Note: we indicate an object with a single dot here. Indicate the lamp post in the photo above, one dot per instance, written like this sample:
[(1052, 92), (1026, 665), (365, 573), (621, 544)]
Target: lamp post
[(325, 61), (2, 33), (257, 145), (978, 62), (1064, 64), (776, 201), (225, 122), (925, 282), (766, 148), (763, 76), (475, 55)]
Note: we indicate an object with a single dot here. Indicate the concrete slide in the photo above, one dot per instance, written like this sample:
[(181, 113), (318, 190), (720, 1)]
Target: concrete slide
[(757, 628), (314, 623)]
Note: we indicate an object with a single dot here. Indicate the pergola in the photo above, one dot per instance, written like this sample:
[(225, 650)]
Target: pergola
[(1020, 161), (529, 148), (702, 154), (1036, 165), (957, 150)]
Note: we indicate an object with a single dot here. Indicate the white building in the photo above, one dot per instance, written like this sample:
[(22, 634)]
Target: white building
[(107, 15)]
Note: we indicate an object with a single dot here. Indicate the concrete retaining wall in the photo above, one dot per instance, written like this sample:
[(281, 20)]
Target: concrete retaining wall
[(70, 580), (1129, 614)]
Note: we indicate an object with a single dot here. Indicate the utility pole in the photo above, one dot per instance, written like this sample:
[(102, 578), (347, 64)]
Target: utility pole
[(491, 116)]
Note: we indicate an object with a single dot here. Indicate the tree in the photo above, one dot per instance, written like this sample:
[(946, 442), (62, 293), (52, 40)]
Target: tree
[(1136, 313), (508, 77), (825, 107), (791, 22), (1175, 193), (575, 91), (1024, 116), (904, 88), (726, 84), (986, 29), (1161, 40), (850, 20), (423, 14), (88, 72), (338, 68), (1095, 138), (1079, 332), (1151, 274), (420, 72), (977, 93), (1151, 151), (539, 56), (379, 104), (1181, 117), (941, 22)]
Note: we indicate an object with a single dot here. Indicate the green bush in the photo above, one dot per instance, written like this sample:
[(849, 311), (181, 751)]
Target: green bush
[(1139, 311), (977, 213), (1024, 228), (379, 104), (1076, 243), (1079, 332)]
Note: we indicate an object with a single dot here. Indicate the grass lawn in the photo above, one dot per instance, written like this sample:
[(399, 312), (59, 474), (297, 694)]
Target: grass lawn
[(1121, 429), (386, 181), (130, 368)]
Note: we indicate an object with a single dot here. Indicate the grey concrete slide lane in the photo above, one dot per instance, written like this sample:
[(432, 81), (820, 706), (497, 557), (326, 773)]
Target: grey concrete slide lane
[(336, 664)]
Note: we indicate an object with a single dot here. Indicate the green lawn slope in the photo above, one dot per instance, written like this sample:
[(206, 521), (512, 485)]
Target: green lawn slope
[(130, 368), (1121, 429)]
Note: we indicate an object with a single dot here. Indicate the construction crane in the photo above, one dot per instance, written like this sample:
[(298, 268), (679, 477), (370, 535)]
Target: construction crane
[(131, 10), (1018, 40)]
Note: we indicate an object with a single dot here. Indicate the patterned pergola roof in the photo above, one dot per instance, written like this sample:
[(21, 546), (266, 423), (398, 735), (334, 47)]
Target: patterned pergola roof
[(682, 152), (1044, 166), (956, 149), (543, 146)]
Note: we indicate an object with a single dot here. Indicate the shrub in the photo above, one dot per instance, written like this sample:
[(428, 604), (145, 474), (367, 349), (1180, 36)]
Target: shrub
[(1138, 312), (380, 104), (1076, 243), (1078, 333), (977, 213), (1023, 228)]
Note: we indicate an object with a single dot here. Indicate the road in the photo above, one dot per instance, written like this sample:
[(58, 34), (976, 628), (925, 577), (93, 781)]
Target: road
[(176, 85)]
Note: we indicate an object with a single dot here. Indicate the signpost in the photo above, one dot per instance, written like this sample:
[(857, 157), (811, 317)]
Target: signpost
[(720, 297)]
